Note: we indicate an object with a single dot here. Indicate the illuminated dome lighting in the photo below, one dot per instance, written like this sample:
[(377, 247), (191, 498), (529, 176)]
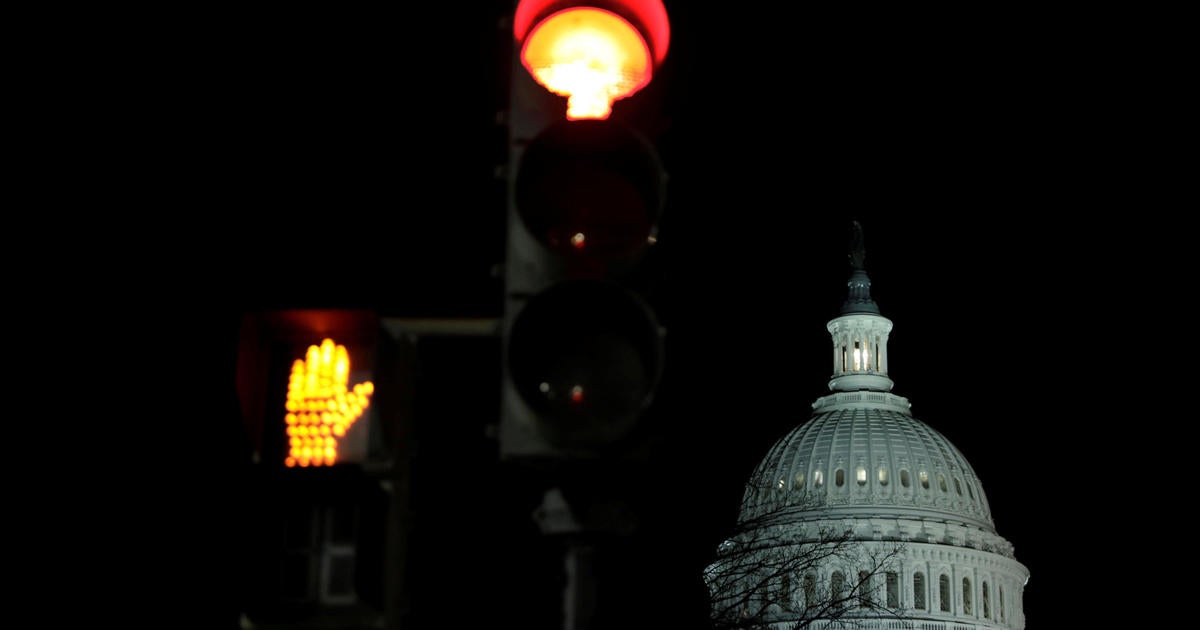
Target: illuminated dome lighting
[(863, 466)]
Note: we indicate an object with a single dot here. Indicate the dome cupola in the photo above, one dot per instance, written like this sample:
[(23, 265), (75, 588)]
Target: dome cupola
[(860, 333)]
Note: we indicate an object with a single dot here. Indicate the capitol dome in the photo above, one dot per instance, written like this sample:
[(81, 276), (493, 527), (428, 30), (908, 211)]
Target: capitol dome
[(865, 515)]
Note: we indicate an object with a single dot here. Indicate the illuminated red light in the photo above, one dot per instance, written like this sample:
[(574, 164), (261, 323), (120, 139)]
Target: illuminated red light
[(595, 54)]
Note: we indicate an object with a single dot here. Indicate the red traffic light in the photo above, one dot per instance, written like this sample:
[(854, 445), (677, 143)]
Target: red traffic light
[(582, 346), (593, 52)]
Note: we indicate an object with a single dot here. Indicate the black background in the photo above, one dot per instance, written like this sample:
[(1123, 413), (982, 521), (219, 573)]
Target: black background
[(1005, 215)]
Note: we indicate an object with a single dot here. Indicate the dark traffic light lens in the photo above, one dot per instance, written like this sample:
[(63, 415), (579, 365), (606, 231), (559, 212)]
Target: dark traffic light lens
[(586, 356), (590, 191)]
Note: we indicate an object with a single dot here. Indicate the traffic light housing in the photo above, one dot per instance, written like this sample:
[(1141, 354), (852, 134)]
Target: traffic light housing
[(582, 343)]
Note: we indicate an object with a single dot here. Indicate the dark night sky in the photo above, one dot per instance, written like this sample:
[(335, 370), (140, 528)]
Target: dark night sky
[(329, 151)]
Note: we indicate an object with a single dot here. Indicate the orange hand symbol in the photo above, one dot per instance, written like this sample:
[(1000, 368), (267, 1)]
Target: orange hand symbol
[(320, 406)]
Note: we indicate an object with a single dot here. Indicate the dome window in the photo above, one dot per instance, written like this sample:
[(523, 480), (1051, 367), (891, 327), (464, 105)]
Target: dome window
[(883, 476), (904, 478), (967, 596), (893, 590), (861, 476), (987, 600), (818, 479), (839, 477), (944, 592), (924, 477), (957, 486), (919, 590), (1002, 620), (799, 483), (942, 482), (970, 492), (837, 587), (864, 589)]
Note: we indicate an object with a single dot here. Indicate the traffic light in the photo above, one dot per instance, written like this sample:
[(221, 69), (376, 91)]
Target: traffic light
[(582, 344)]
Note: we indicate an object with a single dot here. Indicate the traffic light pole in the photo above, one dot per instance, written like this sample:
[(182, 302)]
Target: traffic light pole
[(579, 597), (584, 524), (582, 346)]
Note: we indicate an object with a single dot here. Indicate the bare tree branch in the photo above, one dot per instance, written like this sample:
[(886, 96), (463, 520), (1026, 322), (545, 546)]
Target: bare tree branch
[(783, 564)]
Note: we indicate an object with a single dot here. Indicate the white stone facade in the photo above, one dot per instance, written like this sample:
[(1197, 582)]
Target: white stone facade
[(923, 586)]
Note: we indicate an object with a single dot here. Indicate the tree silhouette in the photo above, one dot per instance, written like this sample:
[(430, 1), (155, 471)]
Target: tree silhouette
[(788, 565)]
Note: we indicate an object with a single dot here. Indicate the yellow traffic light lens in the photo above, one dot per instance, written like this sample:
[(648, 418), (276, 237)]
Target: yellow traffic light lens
[(586, 357), (591, 56)]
